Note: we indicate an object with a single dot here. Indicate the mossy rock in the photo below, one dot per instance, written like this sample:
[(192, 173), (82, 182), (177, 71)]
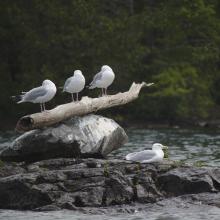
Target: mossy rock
[(199, 163), (166, 153), (1, 163)]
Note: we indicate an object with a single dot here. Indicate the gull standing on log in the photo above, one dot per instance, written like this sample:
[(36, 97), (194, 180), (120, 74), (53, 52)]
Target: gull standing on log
[(41, 94), (103, 79), (75, 84), (148, 156)]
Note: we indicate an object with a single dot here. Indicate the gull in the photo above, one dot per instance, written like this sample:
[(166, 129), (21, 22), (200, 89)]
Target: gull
[(148, 156), (41, 94), (103, 79), (75, 84)]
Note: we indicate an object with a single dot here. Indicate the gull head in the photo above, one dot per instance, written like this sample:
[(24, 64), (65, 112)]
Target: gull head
[(158, 146), (47, 82), (77, 73), (106, 67)]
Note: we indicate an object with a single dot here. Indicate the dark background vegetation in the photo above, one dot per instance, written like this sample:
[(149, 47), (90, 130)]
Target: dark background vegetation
[(175, 44)]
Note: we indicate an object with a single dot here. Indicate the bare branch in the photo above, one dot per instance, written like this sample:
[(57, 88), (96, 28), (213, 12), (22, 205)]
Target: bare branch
[(83, 107)]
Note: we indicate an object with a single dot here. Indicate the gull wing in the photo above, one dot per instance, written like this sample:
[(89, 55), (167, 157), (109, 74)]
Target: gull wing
[(141, 156), (97, 77), (67, 84), (34, 94)]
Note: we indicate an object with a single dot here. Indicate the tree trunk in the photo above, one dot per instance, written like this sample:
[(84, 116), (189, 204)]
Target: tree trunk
[(83, 107)]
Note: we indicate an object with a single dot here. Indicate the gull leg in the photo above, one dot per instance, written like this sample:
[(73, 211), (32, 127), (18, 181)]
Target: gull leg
[(105, 91), (77, 96), (100, 95), (44, 107), (72, 97), (41, 107)]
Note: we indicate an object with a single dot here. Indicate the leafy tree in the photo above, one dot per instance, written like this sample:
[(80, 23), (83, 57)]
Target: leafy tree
[(183, 93), (174, 43)]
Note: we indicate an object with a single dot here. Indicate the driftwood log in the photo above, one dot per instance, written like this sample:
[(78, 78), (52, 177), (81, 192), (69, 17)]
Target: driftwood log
[(83, 107)]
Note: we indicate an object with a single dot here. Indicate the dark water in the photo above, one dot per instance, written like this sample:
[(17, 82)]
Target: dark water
[(6, 138), (192, 146), (161, 213)]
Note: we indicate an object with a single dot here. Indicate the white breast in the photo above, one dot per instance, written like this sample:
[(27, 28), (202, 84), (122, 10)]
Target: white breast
[(51, 93), (76, 85)]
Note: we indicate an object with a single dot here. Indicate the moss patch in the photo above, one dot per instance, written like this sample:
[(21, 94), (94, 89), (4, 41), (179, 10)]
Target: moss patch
[(199, 164), (166, 153), (178, 163), (1, 163)]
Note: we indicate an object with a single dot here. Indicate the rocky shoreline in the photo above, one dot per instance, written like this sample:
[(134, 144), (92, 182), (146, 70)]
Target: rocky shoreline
[(84, 184), (65, 167)]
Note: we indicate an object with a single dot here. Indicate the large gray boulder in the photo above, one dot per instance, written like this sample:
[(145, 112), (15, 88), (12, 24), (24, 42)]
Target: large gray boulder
[(80, 137)]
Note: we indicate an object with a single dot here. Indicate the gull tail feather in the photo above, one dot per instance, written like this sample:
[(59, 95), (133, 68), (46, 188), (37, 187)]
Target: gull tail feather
[(17, 98), (128, 157), (90, 86), (20, 102), (62, 88)]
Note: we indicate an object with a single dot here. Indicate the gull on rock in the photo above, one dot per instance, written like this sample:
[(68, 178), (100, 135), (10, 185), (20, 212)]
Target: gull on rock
[(103, 79), (148, 156), (41, 94), (75, 84)]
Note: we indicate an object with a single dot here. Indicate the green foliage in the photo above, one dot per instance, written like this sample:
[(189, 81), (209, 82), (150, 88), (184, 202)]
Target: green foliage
[(166, 153), (174, 43), (199, 164), (1, 163), (106, 169), (183, 92), (136, 178), (178, 163)]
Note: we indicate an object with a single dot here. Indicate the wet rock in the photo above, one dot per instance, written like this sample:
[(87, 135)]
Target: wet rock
[(86, 184), (48, 208), (186, 180), (212, 199), (146, 189), (80, 137), (8, 169), (16, 192), (118, 190)]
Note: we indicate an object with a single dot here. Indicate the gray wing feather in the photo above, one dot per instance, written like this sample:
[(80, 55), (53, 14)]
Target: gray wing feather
[(35, 93), (97, 77), (67, 83), (141, 156)]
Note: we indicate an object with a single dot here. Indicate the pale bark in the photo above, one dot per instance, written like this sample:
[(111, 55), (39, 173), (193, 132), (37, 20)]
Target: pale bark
[(83, 107)]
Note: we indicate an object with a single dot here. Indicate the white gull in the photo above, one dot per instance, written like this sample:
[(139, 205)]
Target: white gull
[(41, 94), (75, 84), (148, 156), (103, 79)]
